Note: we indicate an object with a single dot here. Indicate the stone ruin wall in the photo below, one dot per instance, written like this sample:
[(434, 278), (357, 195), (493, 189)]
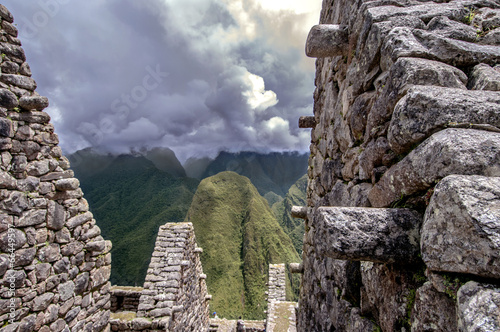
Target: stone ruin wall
[(174, 296), (403, 224), (54, 264)]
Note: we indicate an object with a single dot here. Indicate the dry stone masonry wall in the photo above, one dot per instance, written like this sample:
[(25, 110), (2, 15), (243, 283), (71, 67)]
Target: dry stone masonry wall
[(54, 263), (174, 297), (402, 223)]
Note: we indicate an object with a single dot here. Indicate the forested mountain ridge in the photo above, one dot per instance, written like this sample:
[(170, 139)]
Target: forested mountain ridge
[(240, 236)]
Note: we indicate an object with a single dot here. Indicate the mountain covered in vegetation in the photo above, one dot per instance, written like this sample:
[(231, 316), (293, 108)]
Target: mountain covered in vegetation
[(294, 227), (240, 236), (271, 173), (132, 195), (130, 199)]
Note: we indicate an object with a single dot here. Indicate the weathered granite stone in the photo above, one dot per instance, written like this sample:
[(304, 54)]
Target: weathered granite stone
[(81, 282), (18, 239), (49, 253), (42, 271), (478, 307), (4, 264), (37, 103), (42, 302), (377, 235), (7, 181), (24, 257), (451, 151), (425, 110), (405, 42), (9, 67), (67, 184), (100, 276), (8, 100), (307, 122), (388, 290), (405, 73), (484, 77), (55, 216), (31, 116), (66, 290), (31, 218), (79, 220), (443, 26), (326, 40), (20, 81), (27, 324), (433, 311), (5, 14), (461, 229)]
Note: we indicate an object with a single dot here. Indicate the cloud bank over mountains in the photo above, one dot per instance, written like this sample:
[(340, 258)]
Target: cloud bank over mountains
[(197, 76)]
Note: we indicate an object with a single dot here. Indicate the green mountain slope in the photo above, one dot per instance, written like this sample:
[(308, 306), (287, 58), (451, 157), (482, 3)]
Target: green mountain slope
[(282, 210), (273, 172), (130, 198), (240, 237)]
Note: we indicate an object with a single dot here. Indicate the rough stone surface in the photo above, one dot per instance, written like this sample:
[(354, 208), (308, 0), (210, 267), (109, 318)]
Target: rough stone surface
[(484, 77), (49, 279), (478, 308), (377, 235), (461, 230), (451, 151), (433, 311), (425, 110), (326, 40), (395, 50)]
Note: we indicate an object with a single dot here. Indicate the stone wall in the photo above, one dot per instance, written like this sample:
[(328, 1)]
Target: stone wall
[(277, 283), (174, 297), (280, 313), (54, 264), (402, 222), (125, 298)]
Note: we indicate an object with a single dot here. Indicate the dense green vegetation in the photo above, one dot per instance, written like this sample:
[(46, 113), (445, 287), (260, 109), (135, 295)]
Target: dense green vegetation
[(273, 172), (282, 209), (131, 196), (240, 237), (130, 199)]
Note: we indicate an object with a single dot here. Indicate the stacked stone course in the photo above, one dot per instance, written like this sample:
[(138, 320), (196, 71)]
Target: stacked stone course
[(54, 263), (402, 222), (174, 297)]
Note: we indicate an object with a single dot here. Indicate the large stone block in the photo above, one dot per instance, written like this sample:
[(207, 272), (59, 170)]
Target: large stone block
[(377, 235), (450, 151), (405, 73), (478, 308), (433, 311), (405, 42), (461, 229), (484, 77), (326, 40), (425, 110)]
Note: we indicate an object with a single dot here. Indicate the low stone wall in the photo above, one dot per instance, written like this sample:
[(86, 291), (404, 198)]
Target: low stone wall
[(401, 223), (174, 297), (54, 263), (125, 298)]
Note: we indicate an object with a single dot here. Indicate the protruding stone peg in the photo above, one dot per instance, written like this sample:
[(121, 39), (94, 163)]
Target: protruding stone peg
[(326, 40), (177, 308), (296, 267), (208, 297), (198, 250), (299, 212), (203, 276), (307, 122)]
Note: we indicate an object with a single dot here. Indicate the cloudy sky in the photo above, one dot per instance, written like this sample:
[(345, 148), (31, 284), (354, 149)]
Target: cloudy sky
[(197, 76)]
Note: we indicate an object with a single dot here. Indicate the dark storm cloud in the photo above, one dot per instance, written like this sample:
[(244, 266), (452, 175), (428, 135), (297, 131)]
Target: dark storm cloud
[(196, 76)]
